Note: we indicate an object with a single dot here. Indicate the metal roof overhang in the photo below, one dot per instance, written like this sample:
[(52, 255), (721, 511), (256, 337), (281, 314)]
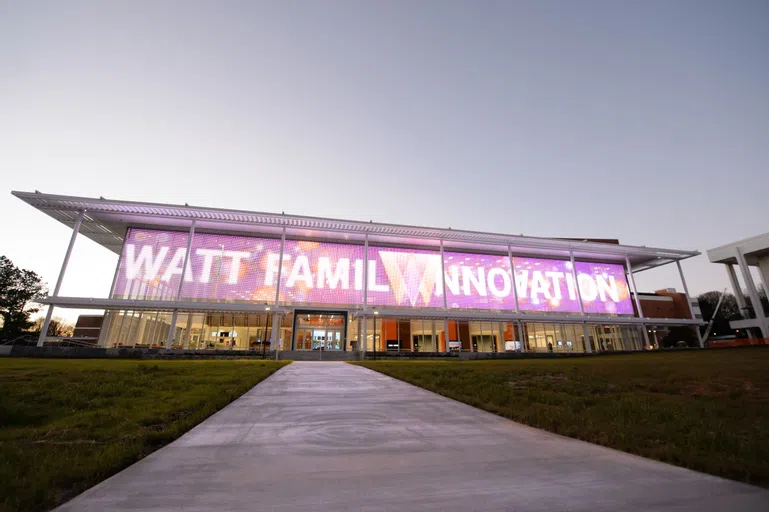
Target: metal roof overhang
[(229, 307), (105, 222)]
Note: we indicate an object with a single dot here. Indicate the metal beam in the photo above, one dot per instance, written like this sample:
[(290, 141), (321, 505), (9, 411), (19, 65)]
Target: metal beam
[(637, 299), (49, 313), (689, 303)]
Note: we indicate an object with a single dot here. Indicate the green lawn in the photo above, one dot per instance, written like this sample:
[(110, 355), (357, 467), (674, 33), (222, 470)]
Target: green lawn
[(706, 410), (67, 424)]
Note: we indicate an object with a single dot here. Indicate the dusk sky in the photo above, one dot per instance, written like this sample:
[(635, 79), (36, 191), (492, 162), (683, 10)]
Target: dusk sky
[(646, 121)]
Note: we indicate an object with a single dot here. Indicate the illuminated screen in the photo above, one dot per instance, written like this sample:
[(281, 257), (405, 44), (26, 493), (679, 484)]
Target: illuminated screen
[(478, 281), (548, 285), (220, 267), (322, 273), (246, 269), (604, 288), (404, 277)]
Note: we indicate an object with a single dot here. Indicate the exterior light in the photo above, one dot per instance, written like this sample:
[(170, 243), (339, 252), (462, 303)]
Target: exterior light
[(267, 308), (376, 312)]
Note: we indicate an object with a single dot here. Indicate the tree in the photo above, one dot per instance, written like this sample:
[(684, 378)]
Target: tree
[(18, 288), (56, 327), (728, 311)]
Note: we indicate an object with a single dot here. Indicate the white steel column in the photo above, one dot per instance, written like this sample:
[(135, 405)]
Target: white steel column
[(758, 309), (515, 296), (49, 314), (586, 334), (175, 314), (186, 339), (103, 331), (576, 283), (445, 303), (689, 303), (364, 341), (172, 329), (736, 287), (363, 337), (280, 265), (637, 300), (275, 335), (512, 276), (588, 346), (446, 332), (443, 280)]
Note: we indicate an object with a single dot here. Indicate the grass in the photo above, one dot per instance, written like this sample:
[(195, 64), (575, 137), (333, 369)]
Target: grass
[(704, 410), (65, 425)]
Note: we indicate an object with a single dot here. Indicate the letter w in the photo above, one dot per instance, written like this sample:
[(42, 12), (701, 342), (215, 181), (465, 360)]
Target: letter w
[(133, 265)]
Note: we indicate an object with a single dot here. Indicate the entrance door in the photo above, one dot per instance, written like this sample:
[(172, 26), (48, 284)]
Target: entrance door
[(319, 331)]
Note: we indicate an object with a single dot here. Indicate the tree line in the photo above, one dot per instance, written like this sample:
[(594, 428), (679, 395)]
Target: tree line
[(19, 291)]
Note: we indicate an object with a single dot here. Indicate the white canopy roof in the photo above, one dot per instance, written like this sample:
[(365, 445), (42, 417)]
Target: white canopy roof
[(106, 221)]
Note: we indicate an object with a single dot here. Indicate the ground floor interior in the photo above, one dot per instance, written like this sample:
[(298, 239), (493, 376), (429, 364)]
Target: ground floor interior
[(342, 331)]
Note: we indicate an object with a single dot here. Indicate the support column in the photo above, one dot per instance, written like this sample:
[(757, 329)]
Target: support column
[(364, 341), (174, 316), (446, 331), (49, 314), (104, 331), (280, 265), (443, 280), (275, 334), (637, 300), (512, 275), (172, 329), (588, 346), (186, 339), (758, 310), (736, 287), (689, 303), (364, 336), (521, 336)]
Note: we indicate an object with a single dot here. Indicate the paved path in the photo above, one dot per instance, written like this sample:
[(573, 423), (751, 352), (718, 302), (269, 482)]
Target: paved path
[(332, 436)]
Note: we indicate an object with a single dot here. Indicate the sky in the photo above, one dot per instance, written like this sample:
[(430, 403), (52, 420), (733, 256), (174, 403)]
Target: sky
[(646, 121)]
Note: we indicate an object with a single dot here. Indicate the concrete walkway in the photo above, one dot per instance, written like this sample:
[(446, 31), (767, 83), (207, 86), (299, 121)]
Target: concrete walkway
[(332, 436)]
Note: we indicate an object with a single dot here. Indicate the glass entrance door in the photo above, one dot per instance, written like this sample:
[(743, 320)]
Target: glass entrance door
[(320, 331)]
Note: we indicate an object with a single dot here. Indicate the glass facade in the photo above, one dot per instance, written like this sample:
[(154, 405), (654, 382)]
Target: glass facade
[(194, 331), (155, 265), (293, 274), (341, 331)]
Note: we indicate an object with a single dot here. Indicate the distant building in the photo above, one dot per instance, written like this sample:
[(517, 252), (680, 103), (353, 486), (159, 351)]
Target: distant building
[(88, 326), (746, 253)]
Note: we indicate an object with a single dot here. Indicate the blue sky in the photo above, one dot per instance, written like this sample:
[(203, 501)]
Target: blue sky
[(646, 121)]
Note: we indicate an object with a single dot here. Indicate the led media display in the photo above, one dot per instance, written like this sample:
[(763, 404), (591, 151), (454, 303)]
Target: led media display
[(320, 273), (246, 269), (478, 281)]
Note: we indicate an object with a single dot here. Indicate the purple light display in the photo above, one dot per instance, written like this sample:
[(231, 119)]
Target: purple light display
[(246, 269), (220, 267), (404, 278), (478, 281), (321, 273), (548, 285)]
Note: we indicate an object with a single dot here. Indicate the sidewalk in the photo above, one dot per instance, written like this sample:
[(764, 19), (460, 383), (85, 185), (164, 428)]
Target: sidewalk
[(333, 436)]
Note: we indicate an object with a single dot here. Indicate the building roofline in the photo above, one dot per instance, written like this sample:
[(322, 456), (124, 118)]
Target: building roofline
[(105, 222)]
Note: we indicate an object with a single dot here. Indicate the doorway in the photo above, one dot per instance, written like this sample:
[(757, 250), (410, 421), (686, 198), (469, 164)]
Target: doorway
[(320, 330)]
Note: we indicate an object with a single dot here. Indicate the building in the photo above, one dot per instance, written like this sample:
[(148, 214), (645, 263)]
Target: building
[(88, 327), (206, 278), (746, 253)]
